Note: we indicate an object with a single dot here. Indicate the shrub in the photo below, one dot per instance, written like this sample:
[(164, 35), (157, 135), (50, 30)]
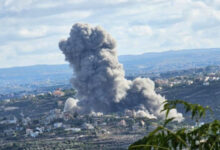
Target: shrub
[(206, 136)]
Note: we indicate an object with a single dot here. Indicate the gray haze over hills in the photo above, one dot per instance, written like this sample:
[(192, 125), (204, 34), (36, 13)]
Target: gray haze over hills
[(147, 62), (133, 65), (36, 73), (171, 60)]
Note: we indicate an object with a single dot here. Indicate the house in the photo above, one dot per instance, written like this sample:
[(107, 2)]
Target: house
[(34, 134), (31, 133), (96, 114), (104, 131), (66, 126), (160, 88), (28, 132), (205, 83), (50, 93), (142, 123), (41, 94), (170, 84), (103, 124), (6, 101), (40, 129), (58, 125), (67, 116), (189, 82), (12, 120), (214, 78), (58, 93), (53, 114), (122, 123), (59, 103), (129, 113), (73, 129), (32, 96), (206, 79), (48, 128), (19, 128), (87, 126), (26, 121), (9, 132), (3, 122)]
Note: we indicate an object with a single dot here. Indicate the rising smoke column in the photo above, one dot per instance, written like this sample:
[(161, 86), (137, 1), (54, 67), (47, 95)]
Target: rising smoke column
[(71, 105), (100, 79)]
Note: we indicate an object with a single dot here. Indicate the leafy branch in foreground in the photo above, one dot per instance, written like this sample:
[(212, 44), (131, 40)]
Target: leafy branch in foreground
[(206, 136)]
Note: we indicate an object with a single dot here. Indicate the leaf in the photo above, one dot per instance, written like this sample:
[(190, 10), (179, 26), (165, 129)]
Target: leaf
[(168, 120), (206, 136)]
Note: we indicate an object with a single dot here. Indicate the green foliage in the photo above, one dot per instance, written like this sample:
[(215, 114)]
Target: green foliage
[(69, 92), (202, 137), (196, 110)]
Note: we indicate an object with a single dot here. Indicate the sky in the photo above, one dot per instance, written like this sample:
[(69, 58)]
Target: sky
[(31, 29)]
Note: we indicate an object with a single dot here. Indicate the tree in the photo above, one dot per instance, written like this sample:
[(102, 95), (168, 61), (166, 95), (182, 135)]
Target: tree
[(204, 137)]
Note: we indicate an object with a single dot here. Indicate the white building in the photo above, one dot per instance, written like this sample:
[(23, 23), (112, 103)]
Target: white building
[(189, 82), (12, 120), (73, 129), (26, 121), (40, 129), (31, 133), (206, 79), (58, 125), (206, 83), (122, 123), (6, 101), (87, 126)]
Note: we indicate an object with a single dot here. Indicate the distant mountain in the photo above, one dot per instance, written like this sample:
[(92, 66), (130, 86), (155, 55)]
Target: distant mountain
[(170, 60), (20, 78), (37, 73), (33, 78), (147, 62)]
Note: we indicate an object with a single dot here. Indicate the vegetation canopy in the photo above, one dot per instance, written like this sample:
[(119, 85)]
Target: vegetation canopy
[(202, 137)]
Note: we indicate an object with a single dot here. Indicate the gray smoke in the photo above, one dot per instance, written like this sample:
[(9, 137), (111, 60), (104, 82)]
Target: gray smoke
[(100, 79), (71, 105)]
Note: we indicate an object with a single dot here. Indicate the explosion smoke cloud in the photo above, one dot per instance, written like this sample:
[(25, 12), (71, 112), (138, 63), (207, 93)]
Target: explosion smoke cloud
[(100, 79), (71, 105)]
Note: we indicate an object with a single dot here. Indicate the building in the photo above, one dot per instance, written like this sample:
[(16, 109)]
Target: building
[(26, 121), (87, 126), (122, 123), (58, 125), (205, 83), (58, 93), (73, 129)]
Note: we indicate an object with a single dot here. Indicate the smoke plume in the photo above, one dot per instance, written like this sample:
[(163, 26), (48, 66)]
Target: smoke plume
[(71, 105), (100, 79)]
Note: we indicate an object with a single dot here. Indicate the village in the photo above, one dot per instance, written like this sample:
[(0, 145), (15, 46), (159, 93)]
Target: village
[(41, 116), (201, 79), (55, 123), (55, 118)]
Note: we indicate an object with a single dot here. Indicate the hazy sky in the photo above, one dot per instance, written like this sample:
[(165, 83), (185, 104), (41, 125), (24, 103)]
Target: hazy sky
[(31, 29)]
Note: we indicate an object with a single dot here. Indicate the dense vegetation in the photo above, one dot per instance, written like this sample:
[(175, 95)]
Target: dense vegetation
[(46, 145), (202, 137)]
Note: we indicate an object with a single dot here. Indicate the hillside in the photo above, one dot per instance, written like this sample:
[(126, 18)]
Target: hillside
[(170, 60), (148, 64), (37, 72)]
